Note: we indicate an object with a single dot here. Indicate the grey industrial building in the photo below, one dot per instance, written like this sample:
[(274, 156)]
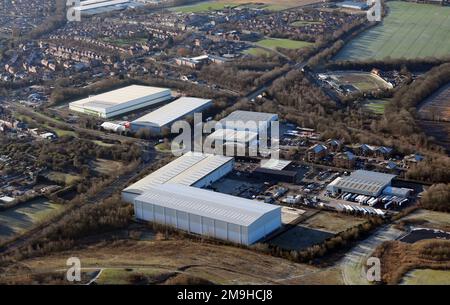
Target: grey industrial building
[(208, 213), (173, 196), (361, 182), (249, 120), (165, 116), (191, 169)]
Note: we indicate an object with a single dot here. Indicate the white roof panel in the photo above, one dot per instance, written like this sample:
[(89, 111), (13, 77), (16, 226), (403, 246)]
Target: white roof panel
[(275, 164), (207, 203), (173, 111), (245, 116), (231, 135), (119, 96), (186, 170), (361, 180)]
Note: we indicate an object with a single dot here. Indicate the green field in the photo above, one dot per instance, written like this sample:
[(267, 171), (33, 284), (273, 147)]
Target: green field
[(410, 30), (377, 106), (273, 43), (220, 5), (202, 7)]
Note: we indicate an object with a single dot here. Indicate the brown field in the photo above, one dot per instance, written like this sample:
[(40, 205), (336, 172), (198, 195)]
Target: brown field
[(218, 264), (428, 219), (108, 167), (332, 222), (440, 131), (437, 107), (399, 258)]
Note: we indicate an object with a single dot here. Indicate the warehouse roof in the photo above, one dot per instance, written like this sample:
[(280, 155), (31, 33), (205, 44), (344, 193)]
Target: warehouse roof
[(173, 111), (249, 116), (231, 135), (88, 5), (186, 170), (363, 180), (275, 164), (119, 96), (207, 203)]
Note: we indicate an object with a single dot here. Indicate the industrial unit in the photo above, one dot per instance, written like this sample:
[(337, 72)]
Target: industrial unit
[(120, 101), (208, 213), (191, 169), (361, 182), (240, 142), (165, 116), (275, 164), (249, 120), (275, 175), (102, 6)]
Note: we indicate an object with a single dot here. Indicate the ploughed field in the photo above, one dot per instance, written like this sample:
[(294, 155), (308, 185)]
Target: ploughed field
[(437, 107)]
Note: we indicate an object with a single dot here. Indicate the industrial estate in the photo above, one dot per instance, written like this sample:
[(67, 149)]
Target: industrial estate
[(225, 142)]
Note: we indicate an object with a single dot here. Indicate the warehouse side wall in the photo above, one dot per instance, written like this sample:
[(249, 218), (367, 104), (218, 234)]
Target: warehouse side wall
[(215, 175), (265, 225), (195, 223)]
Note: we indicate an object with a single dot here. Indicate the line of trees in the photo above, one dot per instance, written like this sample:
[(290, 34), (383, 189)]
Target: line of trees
[(387, 64), (437, 197)]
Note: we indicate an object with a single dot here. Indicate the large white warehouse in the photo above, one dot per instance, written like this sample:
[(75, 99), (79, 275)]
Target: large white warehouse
[(170, 113), (120, 101), (191, 169), (208, 213)]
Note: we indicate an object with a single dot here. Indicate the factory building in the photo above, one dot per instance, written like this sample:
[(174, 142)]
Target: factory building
[(120, 101), (275, 175), (102, 6), (239, 133), (249, 120), (208, 213), (362, 6), (165, 116), (234, 142), (361, 182), (191, 169), (275, 164)]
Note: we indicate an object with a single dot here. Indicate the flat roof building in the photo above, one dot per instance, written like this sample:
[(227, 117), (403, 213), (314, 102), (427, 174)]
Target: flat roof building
[(353, 5), (170, 113), (191, 169), (234, 142), (275, 164), (248, 120), (99, 6), (120, 101), (361, 182), (266, 174), (208, 213)]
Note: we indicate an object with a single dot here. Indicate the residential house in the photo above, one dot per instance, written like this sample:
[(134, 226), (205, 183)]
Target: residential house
[(316, 152)]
